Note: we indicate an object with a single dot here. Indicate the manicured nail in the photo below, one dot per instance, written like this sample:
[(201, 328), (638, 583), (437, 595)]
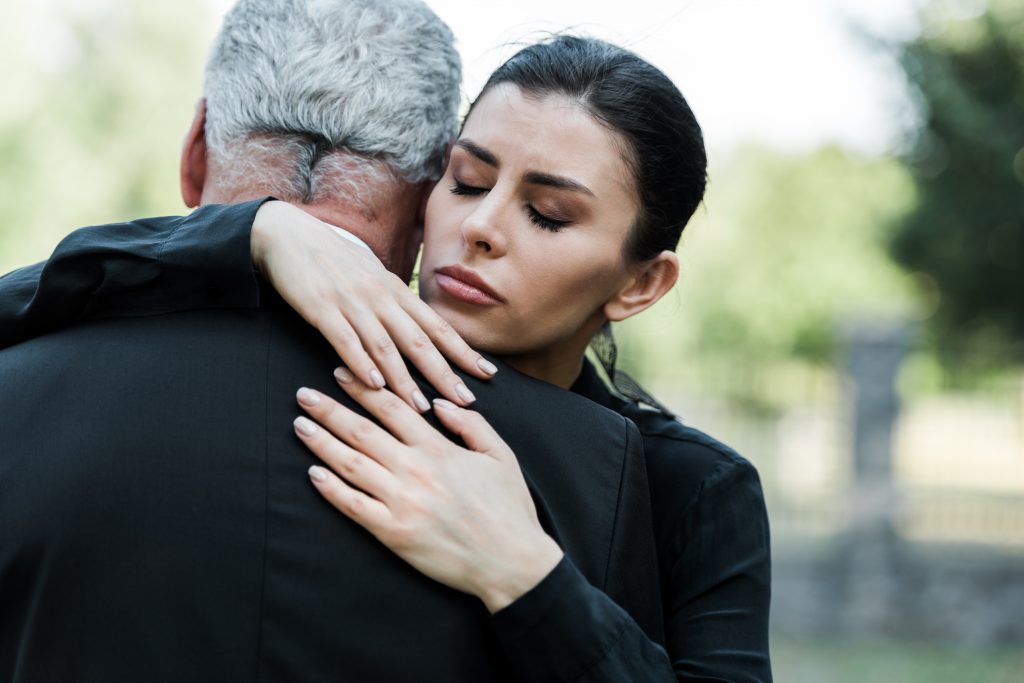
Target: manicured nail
[(487, 366), (308, 397), (442, 403), (464, 393), (376, 379), (420, 401), (305, 426), (317, 473), (342, 375)]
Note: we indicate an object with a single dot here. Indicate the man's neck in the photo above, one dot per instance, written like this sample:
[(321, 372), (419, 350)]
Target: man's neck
[(383, 233)]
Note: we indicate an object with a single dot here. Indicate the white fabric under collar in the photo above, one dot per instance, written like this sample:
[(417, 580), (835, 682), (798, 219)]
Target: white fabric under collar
[(352, 238)]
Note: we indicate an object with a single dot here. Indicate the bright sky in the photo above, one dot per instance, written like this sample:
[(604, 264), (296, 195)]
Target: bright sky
[(787, 72)]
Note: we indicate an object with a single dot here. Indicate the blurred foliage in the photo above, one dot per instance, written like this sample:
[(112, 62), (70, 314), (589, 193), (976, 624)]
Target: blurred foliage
[(966, 232), (97, 98), (787, 249)]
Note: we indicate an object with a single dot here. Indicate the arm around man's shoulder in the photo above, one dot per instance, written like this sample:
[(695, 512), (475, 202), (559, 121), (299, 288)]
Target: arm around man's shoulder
[(147, 266)]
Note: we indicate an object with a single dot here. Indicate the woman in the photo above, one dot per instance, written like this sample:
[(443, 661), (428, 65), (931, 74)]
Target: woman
[(560, 209)]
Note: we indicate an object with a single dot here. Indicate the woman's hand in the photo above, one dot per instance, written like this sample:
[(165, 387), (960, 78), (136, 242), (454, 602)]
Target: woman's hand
[(462, 516), (368, 315)]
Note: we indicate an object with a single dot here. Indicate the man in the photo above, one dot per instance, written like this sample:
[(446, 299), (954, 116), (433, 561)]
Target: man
[(156, 522)]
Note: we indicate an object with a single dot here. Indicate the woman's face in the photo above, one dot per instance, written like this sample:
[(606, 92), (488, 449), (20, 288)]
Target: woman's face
[(524, 234)]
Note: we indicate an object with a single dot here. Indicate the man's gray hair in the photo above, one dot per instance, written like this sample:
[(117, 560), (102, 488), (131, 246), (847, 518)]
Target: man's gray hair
[(305, 80)]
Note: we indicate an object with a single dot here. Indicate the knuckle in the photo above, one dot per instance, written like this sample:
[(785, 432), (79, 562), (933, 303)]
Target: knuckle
[(419, 474), (443, 328), (389, 405), (351, 464), (346, 337), (400, 536), (421, 341), (353, 505), (384, 344), (361, 431)]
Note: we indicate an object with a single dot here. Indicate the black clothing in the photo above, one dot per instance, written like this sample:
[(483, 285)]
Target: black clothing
[(711, 558), (711, 534), (712, 540)]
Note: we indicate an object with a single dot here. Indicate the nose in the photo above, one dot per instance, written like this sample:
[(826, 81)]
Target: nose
[(482, 229)]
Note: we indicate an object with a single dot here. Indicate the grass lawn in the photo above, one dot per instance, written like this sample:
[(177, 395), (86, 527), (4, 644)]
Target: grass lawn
[(802, 661)]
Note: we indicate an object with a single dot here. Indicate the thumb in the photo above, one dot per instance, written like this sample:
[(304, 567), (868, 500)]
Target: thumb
[(471, 427)]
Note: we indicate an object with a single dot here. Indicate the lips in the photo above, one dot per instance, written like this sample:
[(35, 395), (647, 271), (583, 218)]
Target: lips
[(465, 285)]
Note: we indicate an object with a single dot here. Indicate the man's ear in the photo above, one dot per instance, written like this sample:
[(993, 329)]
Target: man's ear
[(193, 158), (649, 283)]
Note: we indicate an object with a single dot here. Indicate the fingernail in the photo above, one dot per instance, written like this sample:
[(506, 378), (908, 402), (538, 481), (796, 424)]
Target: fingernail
[(342, 375), (464, 393), (487, 366), (305, 426), (420, 401), (308, 397), (442, 403), (317, 473), (376, 379)]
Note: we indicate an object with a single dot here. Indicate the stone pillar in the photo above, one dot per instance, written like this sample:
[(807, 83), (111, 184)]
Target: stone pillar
[(869, 562), (874, 353)]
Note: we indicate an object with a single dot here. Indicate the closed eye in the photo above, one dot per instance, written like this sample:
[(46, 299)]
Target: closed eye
[(462, 189), (545, 222)]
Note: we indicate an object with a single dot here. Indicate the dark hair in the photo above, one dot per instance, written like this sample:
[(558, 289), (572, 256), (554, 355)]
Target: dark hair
[(631, 97)]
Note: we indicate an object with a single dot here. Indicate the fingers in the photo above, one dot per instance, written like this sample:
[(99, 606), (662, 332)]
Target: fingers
[(354, 430), (446, 341), (357, 469), (372, 341), (349, 347), (471, 426), (402, 421), (378, 342), (362, 509), (421, 352)]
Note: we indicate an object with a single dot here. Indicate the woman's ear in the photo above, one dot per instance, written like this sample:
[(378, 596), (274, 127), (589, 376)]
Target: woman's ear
[(193, 158), (648, 284)]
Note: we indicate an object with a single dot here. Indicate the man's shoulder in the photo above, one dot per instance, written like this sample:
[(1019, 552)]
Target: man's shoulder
[(514, 396)]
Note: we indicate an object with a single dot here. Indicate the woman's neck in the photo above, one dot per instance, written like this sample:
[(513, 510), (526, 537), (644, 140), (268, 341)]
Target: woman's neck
[(561, 372), (559, 364)]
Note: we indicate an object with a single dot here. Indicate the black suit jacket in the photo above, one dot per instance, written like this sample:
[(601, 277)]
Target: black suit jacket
[(157, 524)]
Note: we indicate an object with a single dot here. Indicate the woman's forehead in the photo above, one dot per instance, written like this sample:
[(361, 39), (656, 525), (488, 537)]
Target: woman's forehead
[(547, 133)]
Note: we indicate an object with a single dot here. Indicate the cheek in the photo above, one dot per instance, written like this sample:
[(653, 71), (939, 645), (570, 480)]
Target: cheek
[(440, 221), (572, 282)]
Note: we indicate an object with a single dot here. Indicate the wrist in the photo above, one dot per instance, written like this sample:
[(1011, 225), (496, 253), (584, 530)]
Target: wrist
[(500, 591), (259, 235)]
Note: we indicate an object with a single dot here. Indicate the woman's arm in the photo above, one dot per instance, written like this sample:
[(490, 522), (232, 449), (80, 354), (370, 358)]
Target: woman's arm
[(464, 517), (161, 265), (143, 267)]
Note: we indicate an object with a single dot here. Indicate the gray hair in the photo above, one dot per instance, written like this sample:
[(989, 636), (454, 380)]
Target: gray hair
[(312, 83)]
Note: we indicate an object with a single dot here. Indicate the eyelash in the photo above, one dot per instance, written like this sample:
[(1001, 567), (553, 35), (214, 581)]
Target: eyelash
[(543, 221), (462, 189), (536, 217)]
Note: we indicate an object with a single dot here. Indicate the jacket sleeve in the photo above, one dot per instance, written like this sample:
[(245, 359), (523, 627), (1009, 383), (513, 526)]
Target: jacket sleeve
[(143, 267), (715, 597), (564, 629)]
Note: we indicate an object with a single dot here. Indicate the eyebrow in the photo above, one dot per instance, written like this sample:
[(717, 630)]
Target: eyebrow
[(478, 151), (558, 181), (533, 177)]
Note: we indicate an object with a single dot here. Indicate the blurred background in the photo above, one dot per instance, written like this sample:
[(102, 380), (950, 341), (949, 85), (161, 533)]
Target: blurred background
[(851, 310)]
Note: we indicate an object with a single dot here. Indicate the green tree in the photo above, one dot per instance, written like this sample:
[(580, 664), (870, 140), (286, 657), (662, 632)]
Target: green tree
[(966, 233), (786, 249), (96, 100)]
